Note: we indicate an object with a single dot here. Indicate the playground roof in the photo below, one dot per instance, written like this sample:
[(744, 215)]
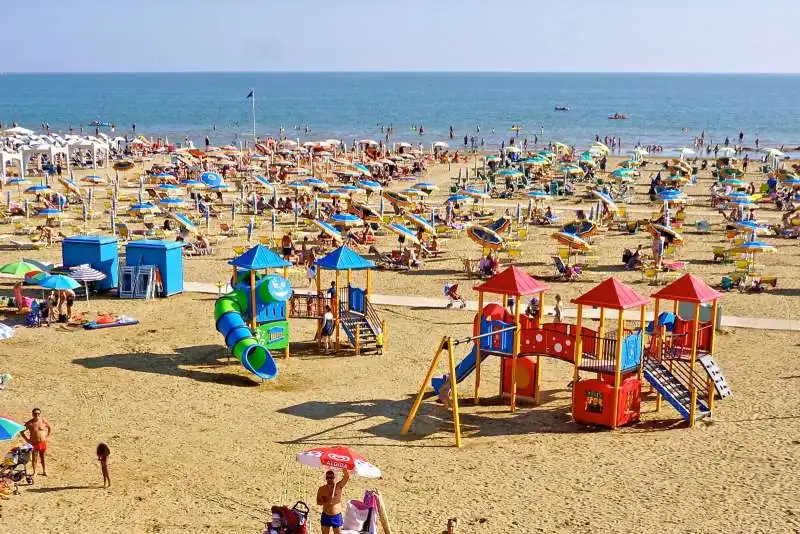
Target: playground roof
[(612, 294), (257, 258), (688, 288), (513, 281), (343, 259)]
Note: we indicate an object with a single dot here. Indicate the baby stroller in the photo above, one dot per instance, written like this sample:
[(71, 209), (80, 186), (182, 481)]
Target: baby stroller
[(451, 292), (15, 465), (287, 520)]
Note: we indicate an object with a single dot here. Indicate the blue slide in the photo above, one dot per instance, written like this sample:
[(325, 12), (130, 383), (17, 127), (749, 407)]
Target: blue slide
[(463, 369)]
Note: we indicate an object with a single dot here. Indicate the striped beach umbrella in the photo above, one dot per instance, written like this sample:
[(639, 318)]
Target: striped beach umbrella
[(368, 213), (70, 186), (263, 182), (193, 184), (666, 231), (428, 187), (18, 181), (570, 240), (86, 273), (37, 189), (49, 213), (221, 188)]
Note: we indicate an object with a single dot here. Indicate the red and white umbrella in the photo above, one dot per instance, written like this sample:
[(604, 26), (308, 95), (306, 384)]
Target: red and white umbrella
[(338, 457)]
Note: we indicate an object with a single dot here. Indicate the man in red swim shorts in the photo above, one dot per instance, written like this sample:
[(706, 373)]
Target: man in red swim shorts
[(39, 431)]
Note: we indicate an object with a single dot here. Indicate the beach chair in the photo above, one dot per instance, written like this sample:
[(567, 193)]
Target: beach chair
[(721, 253), (565, 272), (228, 230)]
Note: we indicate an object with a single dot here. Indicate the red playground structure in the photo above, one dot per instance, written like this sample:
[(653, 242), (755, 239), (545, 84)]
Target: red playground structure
[(609, 364)]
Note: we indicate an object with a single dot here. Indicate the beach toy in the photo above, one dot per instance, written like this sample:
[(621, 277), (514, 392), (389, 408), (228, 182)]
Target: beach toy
[(485, 237), (582, 229)]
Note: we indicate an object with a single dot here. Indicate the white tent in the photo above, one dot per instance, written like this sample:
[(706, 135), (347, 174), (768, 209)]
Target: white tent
[(9, 157), (42, 149), (19, 130)]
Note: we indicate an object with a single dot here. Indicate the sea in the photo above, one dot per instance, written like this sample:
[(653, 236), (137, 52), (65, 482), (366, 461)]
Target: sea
[(662, 109)]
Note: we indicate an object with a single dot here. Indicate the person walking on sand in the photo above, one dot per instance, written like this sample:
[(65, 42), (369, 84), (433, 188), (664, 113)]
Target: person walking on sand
[(38, 432), (329, 497), (103, 452)]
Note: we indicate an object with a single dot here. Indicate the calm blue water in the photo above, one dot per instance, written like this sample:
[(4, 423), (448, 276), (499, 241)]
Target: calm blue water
[(352, 105)]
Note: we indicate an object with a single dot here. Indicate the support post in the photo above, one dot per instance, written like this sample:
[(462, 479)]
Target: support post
[(642, 312), (358, 340), (618, 367), (454, 391), (253, 322), (576, 374), (712, 391), (693, 407), (418, 400), (515, 354), (369, 284), (659, 345), (337, 312), (478, 350)]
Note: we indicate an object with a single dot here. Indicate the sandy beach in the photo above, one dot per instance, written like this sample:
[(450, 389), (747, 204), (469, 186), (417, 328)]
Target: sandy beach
[(198, 445)]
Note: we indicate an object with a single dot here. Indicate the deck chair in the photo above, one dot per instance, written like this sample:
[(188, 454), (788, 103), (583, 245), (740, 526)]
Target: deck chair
[(564, 271), (228, 230)]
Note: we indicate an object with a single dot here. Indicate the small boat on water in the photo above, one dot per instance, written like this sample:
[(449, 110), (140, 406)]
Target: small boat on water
[(617, 117), (100, 124), (562, 108)]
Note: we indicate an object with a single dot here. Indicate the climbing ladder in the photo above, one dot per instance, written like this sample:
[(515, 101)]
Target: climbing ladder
[(359, 318), (673, 390)]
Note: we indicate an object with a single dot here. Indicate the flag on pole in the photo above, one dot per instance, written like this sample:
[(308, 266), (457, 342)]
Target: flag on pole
[(250, 94)]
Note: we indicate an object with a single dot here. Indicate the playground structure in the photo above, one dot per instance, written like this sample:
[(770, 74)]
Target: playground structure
[(258, 299), (352, 308), (619, 360)]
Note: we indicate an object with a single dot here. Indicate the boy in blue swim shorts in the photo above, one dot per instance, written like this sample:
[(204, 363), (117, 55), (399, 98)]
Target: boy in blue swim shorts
[(329, 497)]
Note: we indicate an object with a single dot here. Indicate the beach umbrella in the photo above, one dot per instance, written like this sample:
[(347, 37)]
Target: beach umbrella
[(221, 188), (346, 220), (49, 213), (328, 229), (582, 229), (368, 213), (171, 202), (398, 199), (363, 168), (753, 247), (193, 184), (485, 237), (734, 182), (316, 183), (93, 180), (18, 181), (69, 185), (753, 227), (742, 202), (623, 173), (10, 428), (730, 172), (666, 231), (570, 240), (420, 222), (163, 176), (573, 170), (458, 197), (535, 161), (428, 187), (59, 282), (18, 269), (411, 192), (403, 232), (338, 457), (298, 186), (539, 195), (85, 273), (603, 147), (605, 199), (370, 185), (671, 195), (34, 277), (142, 208), (170, 189), (260, 180), (37, 189), (334, 193), (184, 221), (509, 172), (474, 193), (211, 178), (349, 189), (774, 153)]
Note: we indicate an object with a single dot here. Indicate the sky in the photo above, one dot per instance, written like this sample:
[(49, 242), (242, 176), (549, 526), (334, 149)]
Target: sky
[(399, 35)]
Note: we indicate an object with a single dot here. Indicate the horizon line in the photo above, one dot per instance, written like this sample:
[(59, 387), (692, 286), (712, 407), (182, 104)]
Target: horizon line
[(424, 71)]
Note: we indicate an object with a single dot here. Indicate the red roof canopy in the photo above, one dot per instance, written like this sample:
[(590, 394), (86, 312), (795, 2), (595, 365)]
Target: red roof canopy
[(688, 288), (612, 294), (513, 281)]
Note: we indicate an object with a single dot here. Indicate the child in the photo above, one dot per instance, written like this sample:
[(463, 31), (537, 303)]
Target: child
[(311, 273), (103, 452), (379, 342), (557, 310), (328, 324), (445, 390), (451, 292)]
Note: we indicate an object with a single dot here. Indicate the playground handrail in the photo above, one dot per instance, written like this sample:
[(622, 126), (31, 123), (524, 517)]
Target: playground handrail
[(371, 315), (479, 336)]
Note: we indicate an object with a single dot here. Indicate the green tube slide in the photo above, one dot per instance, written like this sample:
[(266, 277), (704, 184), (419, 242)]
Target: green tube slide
[(239, 338)]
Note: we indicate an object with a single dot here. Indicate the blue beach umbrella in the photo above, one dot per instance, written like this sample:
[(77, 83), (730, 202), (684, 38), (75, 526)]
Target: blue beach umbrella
[(370, 185), (171, 202), (539, 195), (328, 229), (49, 213), (403, 231), (37, 189), (170, 189), (211, 178), (260, 180), (459, 198), (59, 282), (9, 428), (346, 220), (221, 188), (162, 176), (420, 222), (428, 187), (184, 221), (191, 183), (316, 183), (349, 189), (671, 195), (142, 208), (509, 172), (474, 193), (18, 181)]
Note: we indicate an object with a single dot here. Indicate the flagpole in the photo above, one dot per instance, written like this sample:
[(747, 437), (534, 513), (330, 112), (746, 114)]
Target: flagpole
[(253, 91)]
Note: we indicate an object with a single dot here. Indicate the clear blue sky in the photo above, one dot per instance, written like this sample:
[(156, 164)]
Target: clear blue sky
[(352, 35)]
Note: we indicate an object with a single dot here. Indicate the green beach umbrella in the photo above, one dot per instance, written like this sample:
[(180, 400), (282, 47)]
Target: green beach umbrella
[(18, 269)]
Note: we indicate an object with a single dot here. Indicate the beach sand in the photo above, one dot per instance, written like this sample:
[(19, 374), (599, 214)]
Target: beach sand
[(198, 446)]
